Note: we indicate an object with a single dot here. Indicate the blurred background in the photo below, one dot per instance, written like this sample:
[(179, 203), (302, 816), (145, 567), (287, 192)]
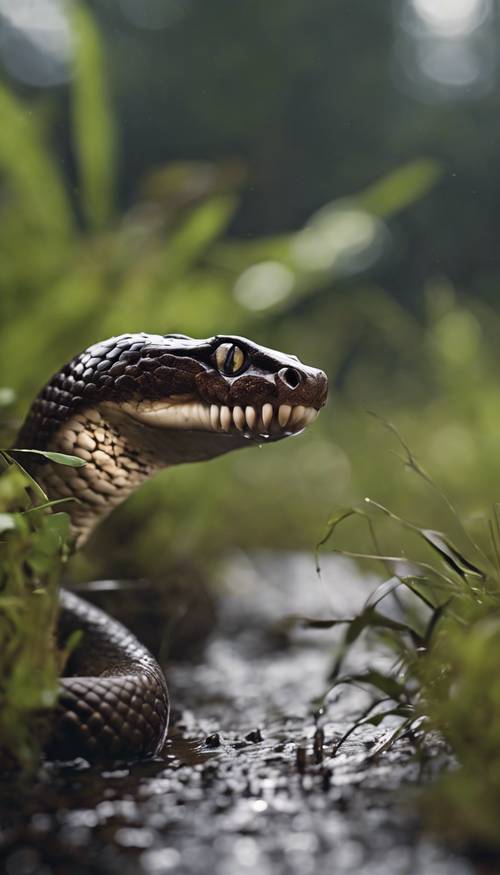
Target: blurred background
[(322, 177)]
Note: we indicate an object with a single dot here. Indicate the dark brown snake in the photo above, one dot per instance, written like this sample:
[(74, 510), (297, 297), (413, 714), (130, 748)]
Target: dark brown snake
[(129, 406)]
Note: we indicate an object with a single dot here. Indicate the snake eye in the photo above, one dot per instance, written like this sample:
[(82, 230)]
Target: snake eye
[(230, 358)]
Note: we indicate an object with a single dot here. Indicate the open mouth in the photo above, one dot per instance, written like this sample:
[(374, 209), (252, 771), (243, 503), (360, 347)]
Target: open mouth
[(267, 420), (250, 421)]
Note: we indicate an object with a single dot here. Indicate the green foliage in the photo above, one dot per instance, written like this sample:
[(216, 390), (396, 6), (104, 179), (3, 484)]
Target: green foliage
[(441, 621), (464, 806), (60, 458), (41, 200), (93, 128), (33, 547), (401, 188), (168, 264), (74, 269), (341, 112)]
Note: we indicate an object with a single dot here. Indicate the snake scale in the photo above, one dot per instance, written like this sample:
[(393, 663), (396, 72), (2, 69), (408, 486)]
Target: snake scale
[(130, 406)]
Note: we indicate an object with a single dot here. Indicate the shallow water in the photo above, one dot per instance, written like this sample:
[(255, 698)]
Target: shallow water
[(248, 781)]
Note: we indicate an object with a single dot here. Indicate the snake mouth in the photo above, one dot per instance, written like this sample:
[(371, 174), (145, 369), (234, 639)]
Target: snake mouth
[(252, 421)]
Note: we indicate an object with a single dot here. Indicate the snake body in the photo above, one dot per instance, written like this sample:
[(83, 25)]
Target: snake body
[(115, 701), (129, 406)]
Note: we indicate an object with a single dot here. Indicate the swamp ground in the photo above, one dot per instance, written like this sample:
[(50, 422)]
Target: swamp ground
[(247, 782)]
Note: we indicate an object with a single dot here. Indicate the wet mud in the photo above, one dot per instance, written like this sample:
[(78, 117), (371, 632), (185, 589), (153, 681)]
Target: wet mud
[(248, 781)]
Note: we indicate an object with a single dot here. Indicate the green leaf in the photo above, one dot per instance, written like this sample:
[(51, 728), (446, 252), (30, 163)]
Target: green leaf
[(434, 620), (369, 619), (60, 458), (341, 514), (439, 542), (236, 255), (336, 518), (385, 683), (311, 622), (442, 545), (59, 523), (386, 743), (367, 718), (401, 188), (31, 480), (93, 128), (29, 167), (194, 235), (54, 503), (373, 678), (412, 463), (382, 591)]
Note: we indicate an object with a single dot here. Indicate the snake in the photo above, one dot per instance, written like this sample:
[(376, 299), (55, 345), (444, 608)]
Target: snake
[(128, 407)]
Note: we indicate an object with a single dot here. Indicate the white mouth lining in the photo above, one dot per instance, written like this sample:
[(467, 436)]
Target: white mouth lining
[(250, 421)]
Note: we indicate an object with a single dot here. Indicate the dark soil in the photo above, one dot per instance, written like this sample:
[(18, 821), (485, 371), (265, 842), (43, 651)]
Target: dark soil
[(248, 781)]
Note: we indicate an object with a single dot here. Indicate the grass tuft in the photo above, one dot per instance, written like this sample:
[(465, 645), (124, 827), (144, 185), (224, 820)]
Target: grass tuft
[(34, 539), (438, 614)]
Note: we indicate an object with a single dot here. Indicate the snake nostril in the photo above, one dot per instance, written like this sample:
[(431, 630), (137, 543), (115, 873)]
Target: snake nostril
[(291, 377)]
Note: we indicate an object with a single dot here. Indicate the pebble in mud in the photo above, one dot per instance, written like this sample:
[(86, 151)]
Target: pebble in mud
[(318, 744), (255, 736), (301, 759)]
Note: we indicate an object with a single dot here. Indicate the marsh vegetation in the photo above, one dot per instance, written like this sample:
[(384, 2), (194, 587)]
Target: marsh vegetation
[(375, 259)]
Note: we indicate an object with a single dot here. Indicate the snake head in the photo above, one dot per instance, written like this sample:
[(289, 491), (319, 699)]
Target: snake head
[(176, 398), (228, 391), (260, 392), (132, 404)]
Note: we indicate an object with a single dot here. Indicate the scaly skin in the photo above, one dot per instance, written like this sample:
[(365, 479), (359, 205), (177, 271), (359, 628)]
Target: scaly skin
[(129, 406), (115, 702)]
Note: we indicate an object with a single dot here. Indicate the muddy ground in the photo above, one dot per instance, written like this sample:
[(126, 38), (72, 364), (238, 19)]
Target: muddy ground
[(248, 782)]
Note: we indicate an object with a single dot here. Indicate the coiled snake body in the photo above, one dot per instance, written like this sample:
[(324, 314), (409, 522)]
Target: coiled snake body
[(129, 406)]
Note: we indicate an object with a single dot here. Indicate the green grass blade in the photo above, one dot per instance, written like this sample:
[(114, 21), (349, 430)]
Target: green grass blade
[(384, 683), (93, 127), (449, 553), (28, 166), (338, 517), (60, 458), (412, 463), (404, 712), (37, 489), (401, 188)]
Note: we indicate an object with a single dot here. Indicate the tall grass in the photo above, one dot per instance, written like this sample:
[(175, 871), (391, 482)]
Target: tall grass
[(438, 614)]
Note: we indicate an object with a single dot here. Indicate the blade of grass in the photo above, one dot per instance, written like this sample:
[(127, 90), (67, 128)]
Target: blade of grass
[(60, 458), (437, 540), (38, 491), (93, 127), (411, 462), (374, 720)]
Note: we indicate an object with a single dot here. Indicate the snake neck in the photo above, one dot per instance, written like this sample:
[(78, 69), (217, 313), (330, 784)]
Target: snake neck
[(114, 468), (133, 404)]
